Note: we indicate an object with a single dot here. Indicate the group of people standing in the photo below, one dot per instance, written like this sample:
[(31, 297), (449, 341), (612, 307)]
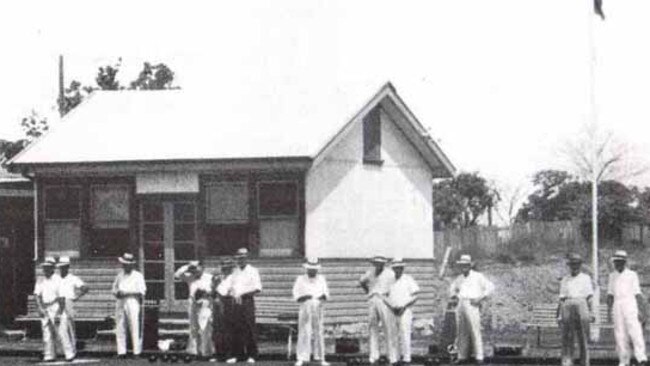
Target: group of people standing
[(221, 309), (625, 306)]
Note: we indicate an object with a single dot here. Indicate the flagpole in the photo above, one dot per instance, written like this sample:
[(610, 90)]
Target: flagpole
[(593, 120)]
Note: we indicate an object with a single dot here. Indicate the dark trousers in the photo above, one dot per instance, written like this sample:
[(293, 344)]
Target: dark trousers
[(244, 331), (223, 327)]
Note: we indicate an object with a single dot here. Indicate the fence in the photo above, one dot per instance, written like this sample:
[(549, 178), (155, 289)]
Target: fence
[(521, 240)]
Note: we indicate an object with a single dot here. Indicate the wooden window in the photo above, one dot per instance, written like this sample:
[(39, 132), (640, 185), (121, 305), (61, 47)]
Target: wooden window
[(277, 199), (227, 217), (279, 218), (62, 203), (372, 137), (62, 220), (109, 220), (227, 203)]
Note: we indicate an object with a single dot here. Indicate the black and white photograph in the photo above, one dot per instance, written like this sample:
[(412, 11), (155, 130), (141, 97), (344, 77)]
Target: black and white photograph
[(325, 182)]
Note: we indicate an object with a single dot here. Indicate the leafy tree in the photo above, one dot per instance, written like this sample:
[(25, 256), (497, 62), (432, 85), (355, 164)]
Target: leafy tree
[(34, 125), (560, 196), (9, 149), (73, 96), (153, 77), (107, 76), (461, 201)]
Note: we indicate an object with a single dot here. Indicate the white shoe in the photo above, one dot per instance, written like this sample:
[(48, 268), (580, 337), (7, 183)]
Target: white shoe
[(231, 360), (324, 363), (298, 363), (250, 360)]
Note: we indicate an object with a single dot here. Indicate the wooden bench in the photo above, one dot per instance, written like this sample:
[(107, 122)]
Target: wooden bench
[(88, 310), (278, 311), (545, 317)]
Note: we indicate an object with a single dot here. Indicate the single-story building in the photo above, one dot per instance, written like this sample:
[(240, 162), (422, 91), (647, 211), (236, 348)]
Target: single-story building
[(339, 174)]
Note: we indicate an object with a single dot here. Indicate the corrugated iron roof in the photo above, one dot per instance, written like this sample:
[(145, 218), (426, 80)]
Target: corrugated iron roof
[(246, 121)]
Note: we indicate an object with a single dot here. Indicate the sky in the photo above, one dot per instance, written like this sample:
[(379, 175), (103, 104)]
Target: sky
[(501, 84)]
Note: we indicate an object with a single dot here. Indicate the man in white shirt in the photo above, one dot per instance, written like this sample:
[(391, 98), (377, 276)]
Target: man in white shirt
[(469, 289), (199, 309), (376, 283), (310, 290), (244, 284), (129, 289), (626, 302), (50, 307), (575, 311), (71, 289), (401, 297)]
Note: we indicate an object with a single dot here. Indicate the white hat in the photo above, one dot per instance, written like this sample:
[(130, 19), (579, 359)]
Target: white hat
[(127, 258), (242, 252), (464, 259), (379, 259), (397, 262), (63, 261), (48, 262), (619, 255), (311, 263)]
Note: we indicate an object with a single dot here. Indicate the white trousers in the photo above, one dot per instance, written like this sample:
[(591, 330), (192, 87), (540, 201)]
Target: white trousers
[(627, 328), (310, 325), (404, 324), (127, 318), (379, 313), (52, 331), (200, 340), (67, 324), (468, 330)]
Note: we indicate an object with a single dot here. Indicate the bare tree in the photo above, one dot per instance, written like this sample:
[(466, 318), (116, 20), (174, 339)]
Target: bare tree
[(598, 154)]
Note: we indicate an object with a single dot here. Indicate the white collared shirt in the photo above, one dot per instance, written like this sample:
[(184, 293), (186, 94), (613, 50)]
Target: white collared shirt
[(245, 280), (225, 285), (70, 284), (48, 288), (379, 284), (403, 291), (316, 287), (471, 287), (579, 286), (131, 283), (623, 285)]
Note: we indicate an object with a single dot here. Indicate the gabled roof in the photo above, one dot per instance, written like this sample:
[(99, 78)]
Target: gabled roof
[(246, 123)]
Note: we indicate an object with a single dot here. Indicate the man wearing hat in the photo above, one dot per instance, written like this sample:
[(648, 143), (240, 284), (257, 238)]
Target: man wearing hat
[(625, 301), (376, 283), (129, 289), (200, 308), (469, 289), (575, 311), (310, 290), (401, 297), (50, 307), (244, 284), (71, 289)]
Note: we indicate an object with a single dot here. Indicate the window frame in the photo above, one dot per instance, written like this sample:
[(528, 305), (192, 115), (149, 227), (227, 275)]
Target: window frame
[(206, 208), (258, 202), (91, 204), (371, 131), (78, 187)]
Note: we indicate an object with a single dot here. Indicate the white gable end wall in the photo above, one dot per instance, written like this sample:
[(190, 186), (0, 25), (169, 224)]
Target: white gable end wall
[(359, 210)]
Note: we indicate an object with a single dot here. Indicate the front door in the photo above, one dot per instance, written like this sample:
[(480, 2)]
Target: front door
[(168, 232)]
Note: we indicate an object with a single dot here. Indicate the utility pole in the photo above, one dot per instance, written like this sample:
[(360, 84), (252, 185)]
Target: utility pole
[(61, 100)]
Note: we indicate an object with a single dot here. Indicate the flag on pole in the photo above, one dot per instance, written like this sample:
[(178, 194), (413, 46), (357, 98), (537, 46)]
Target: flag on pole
[(598, 8)]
